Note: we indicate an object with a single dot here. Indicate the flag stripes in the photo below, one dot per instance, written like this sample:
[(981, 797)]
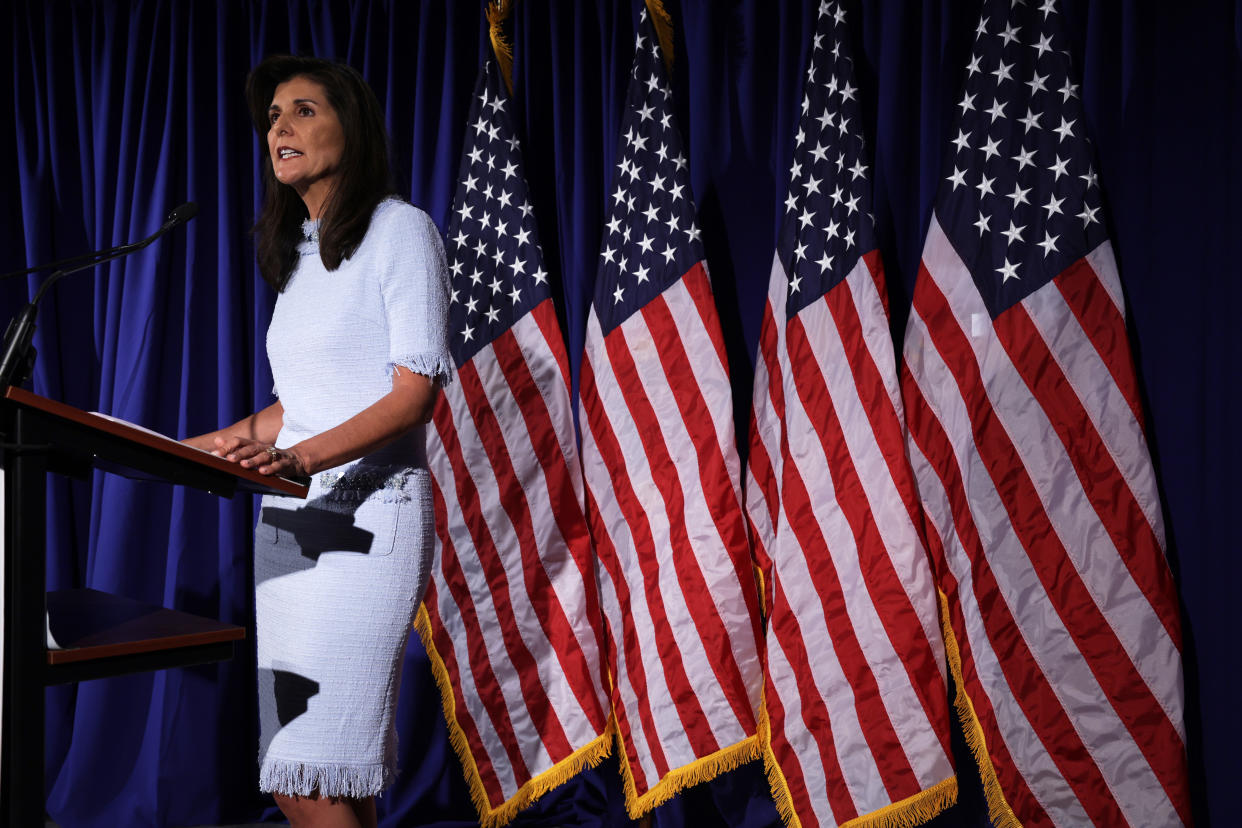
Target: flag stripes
[(1027, 424)]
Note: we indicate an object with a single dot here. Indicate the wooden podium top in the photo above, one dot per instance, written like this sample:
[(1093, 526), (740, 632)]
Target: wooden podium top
[(164, 456)]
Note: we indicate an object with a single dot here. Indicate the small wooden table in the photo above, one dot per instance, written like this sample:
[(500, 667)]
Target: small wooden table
[(97, 634)]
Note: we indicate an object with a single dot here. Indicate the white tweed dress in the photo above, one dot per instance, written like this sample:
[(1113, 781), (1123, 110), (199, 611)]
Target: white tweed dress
[(339, 576)]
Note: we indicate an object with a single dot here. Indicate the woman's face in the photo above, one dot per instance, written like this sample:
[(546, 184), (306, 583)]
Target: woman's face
[(306, 140)]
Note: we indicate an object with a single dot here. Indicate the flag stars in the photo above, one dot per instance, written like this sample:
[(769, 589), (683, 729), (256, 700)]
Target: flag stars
[(1018, 196), (1058, 168), (1007, 271), (1088, 216), (1066, 129), (1014, 233), (1049, 244), (958, 178)]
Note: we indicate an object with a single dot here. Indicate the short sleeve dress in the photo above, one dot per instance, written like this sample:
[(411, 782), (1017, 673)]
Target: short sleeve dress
[(339, 576)]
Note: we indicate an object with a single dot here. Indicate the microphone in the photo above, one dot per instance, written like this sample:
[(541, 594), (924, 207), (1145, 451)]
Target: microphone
[(179, 215), (16, 353)]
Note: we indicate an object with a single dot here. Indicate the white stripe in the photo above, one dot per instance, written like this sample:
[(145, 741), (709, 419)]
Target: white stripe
[(1031, 760), (858, 766), (804, 752), (890, 519), (637, 614), (1106, 406), (706, 550), (767, 426), (499, 527), (1104, 264), (1080, 529), (554, 555)]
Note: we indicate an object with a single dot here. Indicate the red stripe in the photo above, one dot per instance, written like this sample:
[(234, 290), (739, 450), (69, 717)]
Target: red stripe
[(1016, 491), (444, 649), (895, 771), (1102, 481), (901, 621), (815, 718), (1137, 547), (758, 462), (646, 428), (1104, 325), (715, 478), (875, 267), (699, 286), (485, 682), (539, 593), (606, 553), (544, 315), (928, 434), (488, 558), (566, 512)]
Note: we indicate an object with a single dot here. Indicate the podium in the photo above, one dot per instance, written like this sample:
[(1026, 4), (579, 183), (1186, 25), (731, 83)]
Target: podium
[(98, 634)]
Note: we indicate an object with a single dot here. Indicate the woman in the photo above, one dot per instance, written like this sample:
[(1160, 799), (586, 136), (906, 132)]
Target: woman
[(358, 348)]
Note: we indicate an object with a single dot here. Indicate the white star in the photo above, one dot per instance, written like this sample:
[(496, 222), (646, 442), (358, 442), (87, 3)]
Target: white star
[(1030, 121), (1008, 271), (794, 283), (645, 243), (652, 213), (608, 254), (852, 204), (1053, 206), (515, 295), (1068, 91), (1048, 8), (472, 305), (456, 268), (668, 253), (505, 198), (849, 239), (973, 66), (806, 218), (640, 142), (1088, 215), (984, 186), (1049, 244), (1024, 158), (962, 141), (617, 294), (644, 113), (496, 286), (847, 92), (836, 195), (1066, 129), (475, 155), (492, 314), (819, 152), (492, 132), (858, 170), (619, 195), (1014, 233), (1009, 35), (509, 170), (526, 208), (791, 201), (657, 184), (1003, 71), (1037, 83), (990, 149), (518, 267), (968, 102), (799, 251), (982, 223), (675, 191), (997, 109), (812, 184), (523, 236), (662, 152), (472, 183), (1018, 196), (614, 226), (1058, 168), (671, 223), (1090, 178), (958, 178), (642, 273), (540, 276), (825, 262), (468, 334), (461, 238), (825, 119)]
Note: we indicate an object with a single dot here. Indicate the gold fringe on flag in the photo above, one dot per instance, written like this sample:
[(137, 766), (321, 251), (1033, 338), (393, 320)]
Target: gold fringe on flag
[(663, 22), (999, 812), (498, 12)]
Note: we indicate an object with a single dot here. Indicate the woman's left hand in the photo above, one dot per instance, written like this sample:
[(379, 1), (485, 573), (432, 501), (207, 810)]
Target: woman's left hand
[(262, 457)]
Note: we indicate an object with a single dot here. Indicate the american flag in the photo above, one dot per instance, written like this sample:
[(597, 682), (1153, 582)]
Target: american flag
[(1026, 437), (856, 688), (511, 620), (662, 471)]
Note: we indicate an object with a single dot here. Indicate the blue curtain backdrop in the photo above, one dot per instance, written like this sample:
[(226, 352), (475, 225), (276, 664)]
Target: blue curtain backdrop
[(117, 111)]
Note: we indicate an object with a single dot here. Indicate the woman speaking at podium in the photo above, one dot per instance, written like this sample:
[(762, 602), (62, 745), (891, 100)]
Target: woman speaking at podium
[(358, 349)]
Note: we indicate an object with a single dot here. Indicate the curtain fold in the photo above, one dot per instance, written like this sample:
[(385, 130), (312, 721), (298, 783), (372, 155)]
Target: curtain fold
[(117, 111)]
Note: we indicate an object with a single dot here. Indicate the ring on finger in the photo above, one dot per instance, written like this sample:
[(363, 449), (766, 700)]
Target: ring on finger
[(273, 454)]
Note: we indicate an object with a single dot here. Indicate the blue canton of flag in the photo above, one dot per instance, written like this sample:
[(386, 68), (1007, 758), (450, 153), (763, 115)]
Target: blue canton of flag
[(494, 256), (652, 237), (1022, 200)]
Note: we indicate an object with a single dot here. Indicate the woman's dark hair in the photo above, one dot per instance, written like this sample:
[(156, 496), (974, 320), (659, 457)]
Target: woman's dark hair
[(363, 181)]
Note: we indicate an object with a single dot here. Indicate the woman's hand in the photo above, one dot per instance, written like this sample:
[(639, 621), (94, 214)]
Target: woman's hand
[(262, 457)]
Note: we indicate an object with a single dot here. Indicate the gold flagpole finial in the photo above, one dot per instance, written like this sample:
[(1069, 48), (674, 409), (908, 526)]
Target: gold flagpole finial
[(498, 12), (663, 22)]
